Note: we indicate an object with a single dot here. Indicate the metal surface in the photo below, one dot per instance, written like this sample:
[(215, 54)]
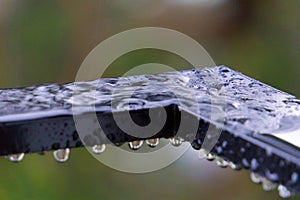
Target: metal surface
[(40, 118)]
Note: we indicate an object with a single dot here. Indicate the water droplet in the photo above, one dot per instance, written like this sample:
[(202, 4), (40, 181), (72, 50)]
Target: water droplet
[(176, 141), (210, 156), (221, 163), (213, 91), (16, 157), (254, 164), (268, 185), (135, 145), (61, 155), (219, 150), (294, 177), (235, 105), (224, 144), (98, 149), (152, 142), (117, 144), (284, 192), (242, 150), (196, 144), (271, 176), (255, 177), (235, 166), (245, 163)]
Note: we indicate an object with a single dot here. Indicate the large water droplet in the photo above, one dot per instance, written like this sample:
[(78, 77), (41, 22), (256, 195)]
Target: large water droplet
[(98, 149), (176, 141), (152, 142), (284, 192), (135, 145), (61, 155), (268, 185), (256, 178), (16, 157), (222, 163)]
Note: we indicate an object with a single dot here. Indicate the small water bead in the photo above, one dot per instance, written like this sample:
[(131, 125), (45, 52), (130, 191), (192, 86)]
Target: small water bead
[(256, 178), (219, 150), (176, 141), (213, 91), (268, 185), (196, 144), (152, 142), (135, 145), (245, 163), (254, 164), (16, 157), (284, 192), (61, 155), (221, 163), (271, 176), (98, 149), (235, 166), (242, 150), (210, 156), (235, 105), (118, 144), (294, 177)]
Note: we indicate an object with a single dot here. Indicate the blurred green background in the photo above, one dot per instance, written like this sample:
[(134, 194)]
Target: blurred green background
[(46, 41)]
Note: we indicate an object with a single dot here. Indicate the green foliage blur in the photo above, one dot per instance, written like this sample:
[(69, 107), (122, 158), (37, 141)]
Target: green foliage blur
[(46, 41)]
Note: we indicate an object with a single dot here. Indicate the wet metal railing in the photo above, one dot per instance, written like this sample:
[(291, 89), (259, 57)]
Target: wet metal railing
[(258, 125)]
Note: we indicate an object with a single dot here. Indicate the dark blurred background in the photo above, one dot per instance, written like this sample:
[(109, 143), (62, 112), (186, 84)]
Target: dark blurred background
[(46, 41)]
